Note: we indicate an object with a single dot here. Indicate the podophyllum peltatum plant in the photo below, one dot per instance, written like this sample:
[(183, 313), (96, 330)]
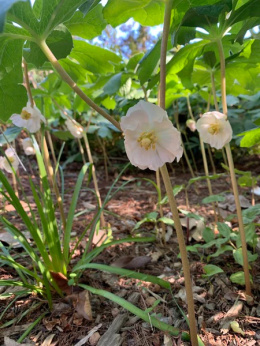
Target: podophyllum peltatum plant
[(42, 34)]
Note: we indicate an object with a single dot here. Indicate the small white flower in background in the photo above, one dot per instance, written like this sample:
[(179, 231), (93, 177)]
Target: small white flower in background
[(12, 157), (75, 128), (215, 129), (30, 118), (28, 146), (151, 140), (191, 124)]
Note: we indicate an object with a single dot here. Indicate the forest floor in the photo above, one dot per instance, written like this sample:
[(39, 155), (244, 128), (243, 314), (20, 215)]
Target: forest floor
[(217, 300)]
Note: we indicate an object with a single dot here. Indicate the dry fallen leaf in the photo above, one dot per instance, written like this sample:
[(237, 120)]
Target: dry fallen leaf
[(83, 306), (230, 204), (62, 282), (130, 262), (10, 342)]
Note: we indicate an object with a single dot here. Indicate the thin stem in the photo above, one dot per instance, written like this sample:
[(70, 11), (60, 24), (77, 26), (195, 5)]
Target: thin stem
[(168, 185), (233, 176), (158, 183), (81, 149), (213, 86), (27, 83), (50, 172), (211, 160), (49, 139), (90, 158), (184, 257), (64, 75)]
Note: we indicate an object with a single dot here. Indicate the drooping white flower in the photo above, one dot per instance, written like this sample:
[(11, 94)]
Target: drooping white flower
[(30, 118), (28, 146), (191, 124), (151, 140), (215, 129), (75, 128), (13, 159)]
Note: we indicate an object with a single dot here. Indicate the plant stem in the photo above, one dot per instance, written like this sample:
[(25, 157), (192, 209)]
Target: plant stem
[(27, 82), (184, 257), (90, 158), (211, 159), (232, 174), (168, 185), (213, 87), (64, 75), (53, 181), (158, 183), (49, 139)]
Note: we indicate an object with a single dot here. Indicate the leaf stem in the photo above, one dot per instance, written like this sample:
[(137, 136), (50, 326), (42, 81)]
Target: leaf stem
[(168, 185), (233, 176), (64, 75)]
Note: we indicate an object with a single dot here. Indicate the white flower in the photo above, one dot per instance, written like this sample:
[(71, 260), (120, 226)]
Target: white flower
[(12, 157), (215, 129), (191, 124), (75, 128), (30, 118), (151, 140), (28, 146)]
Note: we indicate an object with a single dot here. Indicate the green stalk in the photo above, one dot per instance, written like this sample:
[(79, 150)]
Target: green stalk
[(232, 174), (64, 75), (168, 185), (95, 181)]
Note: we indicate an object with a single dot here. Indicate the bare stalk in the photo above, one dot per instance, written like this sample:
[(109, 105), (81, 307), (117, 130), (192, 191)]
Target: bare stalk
[(232, 174), (158, 183), (64, 75), (90, 158), (168, 185)]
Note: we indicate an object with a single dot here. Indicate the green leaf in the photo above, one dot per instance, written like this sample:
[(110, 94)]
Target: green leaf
[(166, 220), (251, 213), (5, 5), (224, 230), (54, 12), (208, 234), (238, 278), (13, 95), (238, 256), (134, 60), (146, 12), (211, 269), (71, 213), (250, 9), (63, 135), (222, 250), (88, 6), (60, 43), (213, 198), (149, 63), (251, 138), (113, 85), (204, 16), (88, 26), (10, 134), (95, 59), (251, 236)]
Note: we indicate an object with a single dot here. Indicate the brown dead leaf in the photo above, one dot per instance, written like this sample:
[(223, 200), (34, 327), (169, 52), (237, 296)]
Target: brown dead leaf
[(48, 341), (230, 204), (235, 310), (10, 342), (130, 262), (83, 306), (62, 282)]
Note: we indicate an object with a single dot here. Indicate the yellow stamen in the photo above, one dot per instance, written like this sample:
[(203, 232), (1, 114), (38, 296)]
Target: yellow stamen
[(147, 140), (214, 129), (25, 115), (11, 159)]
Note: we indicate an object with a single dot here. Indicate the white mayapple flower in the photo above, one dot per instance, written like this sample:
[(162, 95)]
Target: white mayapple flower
[(12, 157), (215, 129), (151, 140), (30, 118), (191, 124), (28, 146), (75, 128)]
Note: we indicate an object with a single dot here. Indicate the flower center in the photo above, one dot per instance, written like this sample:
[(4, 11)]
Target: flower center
[(11, 159), (25, 115), (214, 129), (147, 140)]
